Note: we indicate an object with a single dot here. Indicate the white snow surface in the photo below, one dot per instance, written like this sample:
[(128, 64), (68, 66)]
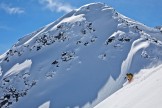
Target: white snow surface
[(45, 105), (143, 92), (78, 60), (25, 66)]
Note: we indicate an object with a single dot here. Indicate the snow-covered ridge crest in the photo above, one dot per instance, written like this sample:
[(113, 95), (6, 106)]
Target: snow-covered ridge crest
[(77, 60)]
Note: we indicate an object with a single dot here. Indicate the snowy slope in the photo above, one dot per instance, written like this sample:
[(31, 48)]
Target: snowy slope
[(143, 92), (78, 60)]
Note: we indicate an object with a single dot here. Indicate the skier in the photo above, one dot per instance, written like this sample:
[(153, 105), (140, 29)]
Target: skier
[(129, 77)]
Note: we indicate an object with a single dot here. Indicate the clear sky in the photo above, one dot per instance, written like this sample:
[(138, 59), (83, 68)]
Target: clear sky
[(20, 17)]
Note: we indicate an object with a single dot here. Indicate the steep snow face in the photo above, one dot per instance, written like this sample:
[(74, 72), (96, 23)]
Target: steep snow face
[(78, 60), (142, 92)]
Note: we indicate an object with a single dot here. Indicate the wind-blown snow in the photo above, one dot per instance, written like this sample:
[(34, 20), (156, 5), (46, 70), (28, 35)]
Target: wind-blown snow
[(143, 92), (136, 46), (73, 19), (17, 68)]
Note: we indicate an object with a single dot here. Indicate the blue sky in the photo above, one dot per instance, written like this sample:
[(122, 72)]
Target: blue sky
[(20, 17)]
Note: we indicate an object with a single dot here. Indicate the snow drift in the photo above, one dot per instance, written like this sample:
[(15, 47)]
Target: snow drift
[(78, 60)]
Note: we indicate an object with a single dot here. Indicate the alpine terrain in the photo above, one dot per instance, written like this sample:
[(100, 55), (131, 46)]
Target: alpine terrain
[(79, 60)]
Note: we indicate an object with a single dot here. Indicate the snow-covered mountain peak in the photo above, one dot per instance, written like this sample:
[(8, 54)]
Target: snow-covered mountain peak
[(77, 60), (93, 7), (87, 13)]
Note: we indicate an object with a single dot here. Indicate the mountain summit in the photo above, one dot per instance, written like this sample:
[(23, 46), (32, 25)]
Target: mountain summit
[(78, 60)]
